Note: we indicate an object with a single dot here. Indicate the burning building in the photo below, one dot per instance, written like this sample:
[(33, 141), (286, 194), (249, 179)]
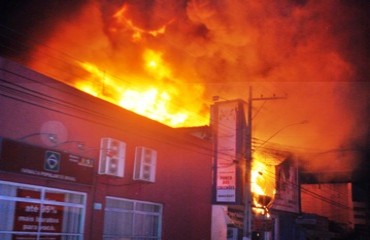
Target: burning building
[(166, 59), (257, 192), (75, 167)]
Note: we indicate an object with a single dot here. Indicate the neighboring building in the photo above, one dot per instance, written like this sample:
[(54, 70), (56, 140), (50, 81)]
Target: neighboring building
[(75, 167), (348, 218), (285, 207), (313, 226), (268, 216), (361, 211), (361, 218), (333, 201)]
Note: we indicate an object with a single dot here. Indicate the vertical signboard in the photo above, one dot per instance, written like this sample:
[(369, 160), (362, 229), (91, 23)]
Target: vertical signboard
[(227, 126)]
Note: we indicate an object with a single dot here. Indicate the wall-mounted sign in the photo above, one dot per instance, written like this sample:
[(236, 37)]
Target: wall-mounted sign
[(52, 161), (27, 159)]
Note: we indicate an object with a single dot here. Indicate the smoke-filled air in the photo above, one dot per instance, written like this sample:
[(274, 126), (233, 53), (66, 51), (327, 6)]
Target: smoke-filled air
[(167, 59)]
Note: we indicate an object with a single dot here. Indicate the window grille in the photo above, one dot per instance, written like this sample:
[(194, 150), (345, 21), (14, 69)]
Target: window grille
[(34, 212), (130, 219)]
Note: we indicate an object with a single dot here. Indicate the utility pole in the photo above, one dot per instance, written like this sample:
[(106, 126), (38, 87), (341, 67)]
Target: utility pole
[(247, 222)]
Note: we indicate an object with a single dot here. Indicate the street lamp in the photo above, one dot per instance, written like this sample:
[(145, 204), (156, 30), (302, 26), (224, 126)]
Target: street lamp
[(277, 132), (247, 223)]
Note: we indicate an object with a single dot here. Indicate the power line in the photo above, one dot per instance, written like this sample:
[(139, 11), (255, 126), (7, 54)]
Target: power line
[(309, 192), (76, 107), (20, 92), (67, 59)]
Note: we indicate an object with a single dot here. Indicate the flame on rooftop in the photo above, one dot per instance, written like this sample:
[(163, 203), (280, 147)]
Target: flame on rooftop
[(166, 60)]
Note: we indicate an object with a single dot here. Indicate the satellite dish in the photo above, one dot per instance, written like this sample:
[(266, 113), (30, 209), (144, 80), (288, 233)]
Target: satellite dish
[(53, 132)]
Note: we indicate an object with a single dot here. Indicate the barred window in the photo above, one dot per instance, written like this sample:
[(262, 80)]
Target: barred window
[(130, 219), (34, 212)]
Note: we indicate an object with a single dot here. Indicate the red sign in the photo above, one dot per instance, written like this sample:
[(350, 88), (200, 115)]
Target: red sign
[(32, 160), (36, 217)]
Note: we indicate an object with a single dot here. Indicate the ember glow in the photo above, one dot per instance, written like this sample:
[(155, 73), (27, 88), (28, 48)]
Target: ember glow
[(137, 77)]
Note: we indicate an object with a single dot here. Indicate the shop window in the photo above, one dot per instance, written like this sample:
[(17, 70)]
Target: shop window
[(33, 212), (130, 219)]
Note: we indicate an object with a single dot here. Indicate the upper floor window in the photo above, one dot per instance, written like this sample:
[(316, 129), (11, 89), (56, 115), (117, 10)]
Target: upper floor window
[(130, 219)]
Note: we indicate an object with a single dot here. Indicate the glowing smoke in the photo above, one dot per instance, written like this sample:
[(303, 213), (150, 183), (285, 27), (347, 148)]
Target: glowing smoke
[(221, 47)]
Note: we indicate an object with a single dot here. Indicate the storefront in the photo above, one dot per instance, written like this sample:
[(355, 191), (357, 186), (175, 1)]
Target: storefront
[(38, 212)]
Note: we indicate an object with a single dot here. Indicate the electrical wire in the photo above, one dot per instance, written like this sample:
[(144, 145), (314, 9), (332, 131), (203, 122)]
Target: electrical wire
[(87, 114), (40, 95), (63, 57), (67, 59), (50, 100), (311, 193)]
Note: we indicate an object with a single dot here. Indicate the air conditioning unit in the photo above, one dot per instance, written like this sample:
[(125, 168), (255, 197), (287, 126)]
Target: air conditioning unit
[(112, 157), (145, 164)]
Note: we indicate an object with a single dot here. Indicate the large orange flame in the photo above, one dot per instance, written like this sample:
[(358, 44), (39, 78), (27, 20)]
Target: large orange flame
[(121, 21), (150, 100), (166, 61), (262, 184)]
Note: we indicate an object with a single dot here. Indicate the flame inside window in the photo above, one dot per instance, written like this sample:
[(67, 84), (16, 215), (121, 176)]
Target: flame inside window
[(262, 185)]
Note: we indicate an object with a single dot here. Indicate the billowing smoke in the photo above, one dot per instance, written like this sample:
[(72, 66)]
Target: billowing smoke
[(313, 52)]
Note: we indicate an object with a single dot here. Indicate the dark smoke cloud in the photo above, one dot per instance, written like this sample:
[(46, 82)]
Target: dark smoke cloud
[(219, 32), (25, 22), (315, 51)]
